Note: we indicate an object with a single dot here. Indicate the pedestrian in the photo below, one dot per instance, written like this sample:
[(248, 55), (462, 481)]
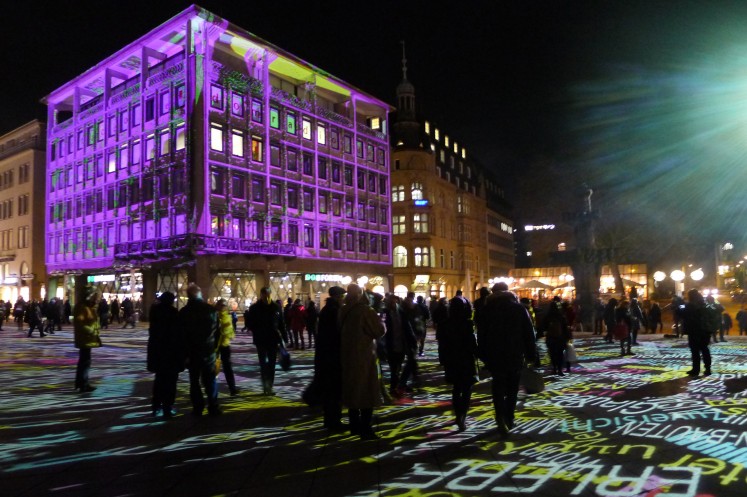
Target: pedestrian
[(440, 317), (128, 309), (288, 338), (361, 391), (678, 308), (598, 317), (414, 315), (506, 345), (401, 345), (87, 337), (637, 320), (226, 333), (103, 312), (557, 334), (297, 323), (49, 309), (458, 348), (34, 318), (265, 323), (166, 353), (696, 323), (609, 319), (622, 317), (654, 319), (327, 360), (114, 311), (741, 318), (8, 310), (19, 309), (714, 310), (726, 324), (311, 317), (67, 311), (198, 322)]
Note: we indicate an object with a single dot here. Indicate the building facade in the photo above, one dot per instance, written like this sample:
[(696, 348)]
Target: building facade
[(446, 235), (202, 153), (22, 173)]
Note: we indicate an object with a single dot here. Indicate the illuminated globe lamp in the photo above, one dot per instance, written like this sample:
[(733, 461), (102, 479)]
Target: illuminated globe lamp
[(678, 276), (659, 276), (697, 275)]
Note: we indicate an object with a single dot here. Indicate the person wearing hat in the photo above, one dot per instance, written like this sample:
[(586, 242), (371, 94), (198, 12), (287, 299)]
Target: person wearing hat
[(86, 332), (199, 323), (226, 333), (165, 353), (327, 366)]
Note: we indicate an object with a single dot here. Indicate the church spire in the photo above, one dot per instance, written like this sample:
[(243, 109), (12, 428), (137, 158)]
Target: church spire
[(404, 62), (405, 93)]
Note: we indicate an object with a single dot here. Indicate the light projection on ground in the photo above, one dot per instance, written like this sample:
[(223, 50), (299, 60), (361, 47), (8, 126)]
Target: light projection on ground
[(633, 426)]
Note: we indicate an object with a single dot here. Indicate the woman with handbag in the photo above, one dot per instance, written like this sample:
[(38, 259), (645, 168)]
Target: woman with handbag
[(621, 331), (226, 333)]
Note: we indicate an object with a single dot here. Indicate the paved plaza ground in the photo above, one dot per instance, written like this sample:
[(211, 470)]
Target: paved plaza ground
[(633, 426)]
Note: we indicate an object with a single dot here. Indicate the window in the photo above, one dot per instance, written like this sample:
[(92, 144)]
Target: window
[(398, 193), (422, 257), (256, 111), (400, 256), (451, 259), (350, 242), (460, 204), (150, 109), (164, 138), (258, 189), (237, 143), (24, 233), (307, 167), (322, 202), (306, 128), (165, 99), (321, 134), (216, 97), (372, 182), (359, 148), (135, 115), (292, 160), (275, 193), (321, 168), (276, 231), (123, 121), (334, 138), (308, 200), (384, 245), (308, 235), (274, 155), (399, 225), (259, 229), (348, 175), (383, 216), (111, 162), (362, 243), (238, 187), (324, 238), (180, 143), (336, 172), (179, 96), (427, 128), (337, 239), (382, 185), (274, 118), (373, 244), (372, 213), (361, 179), (347, 144), (370, 152), (292, 197), (290, 123), (293, 233), (361, 211), (420, 223), (136, 152), (237, 104), (336, 205), (111, 129), (150, 147), (216, 137), (257, 149), (349, 208), (441, 259), (416, 191)]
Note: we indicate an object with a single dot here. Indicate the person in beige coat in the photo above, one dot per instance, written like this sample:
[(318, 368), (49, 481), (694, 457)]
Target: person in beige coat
[(361, 385)]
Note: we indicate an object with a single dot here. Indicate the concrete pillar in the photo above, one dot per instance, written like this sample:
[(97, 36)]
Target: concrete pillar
[(150, 286)]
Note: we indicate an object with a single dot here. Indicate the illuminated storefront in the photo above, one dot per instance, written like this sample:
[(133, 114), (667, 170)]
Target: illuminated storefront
[(547, 282), (201, 153)]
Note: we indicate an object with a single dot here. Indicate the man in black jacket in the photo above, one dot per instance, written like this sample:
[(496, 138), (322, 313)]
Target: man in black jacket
[(165, 353), (327, 362), (199, 323), (265, 319), (505, 343)]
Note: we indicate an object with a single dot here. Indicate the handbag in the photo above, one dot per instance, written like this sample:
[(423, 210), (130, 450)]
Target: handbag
[(217, 366), (533, 381), (285, 358), (620, 331), (570, 353)]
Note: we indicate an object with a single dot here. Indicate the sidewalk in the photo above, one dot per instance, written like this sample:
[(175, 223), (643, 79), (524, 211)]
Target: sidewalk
[(633, 426)]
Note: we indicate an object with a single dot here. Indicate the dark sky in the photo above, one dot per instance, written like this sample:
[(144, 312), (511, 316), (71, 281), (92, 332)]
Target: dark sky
[(596, 89)]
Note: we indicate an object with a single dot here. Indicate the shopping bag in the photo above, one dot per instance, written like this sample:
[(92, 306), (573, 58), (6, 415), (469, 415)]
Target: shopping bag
[(285, 358), (533, 381), (570, 353)]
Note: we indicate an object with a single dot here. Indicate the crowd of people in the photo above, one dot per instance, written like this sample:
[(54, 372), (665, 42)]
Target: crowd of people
[(357, 331)]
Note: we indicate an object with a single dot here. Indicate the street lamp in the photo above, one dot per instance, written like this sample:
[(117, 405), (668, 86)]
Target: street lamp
[(659, 276), (697, 275)]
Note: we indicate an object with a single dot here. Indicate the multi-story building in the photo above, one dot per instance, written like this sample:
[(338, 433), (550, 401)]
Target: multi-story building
[(446, 235), (22, 173), (202, 153)]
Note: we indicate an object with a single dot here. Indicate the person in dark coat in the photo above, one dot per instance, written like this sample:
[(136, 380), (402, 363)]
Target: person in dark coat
[(114, 311), (557, 334), (165, 353), (265, 320), (695, 321), (128, 309), (199, 324), (440, 318), (609, 319), (103, 312), (311, 315), (654, 319), (622, 316), (505, 345), (34, 318), (458, 356), (327, 362), (401, 345)]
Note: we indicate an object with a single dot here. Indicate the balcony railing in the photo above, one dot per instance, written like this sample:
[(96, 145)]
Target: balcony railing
[(190, 245)]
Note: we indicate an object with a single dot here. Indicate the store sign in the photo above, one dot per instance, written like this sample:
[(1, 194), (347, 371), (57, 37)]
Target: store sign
[(539, 227), (421, 203), (11, 280), (101, 278), (322, 277), (422, 279), (28, 276)]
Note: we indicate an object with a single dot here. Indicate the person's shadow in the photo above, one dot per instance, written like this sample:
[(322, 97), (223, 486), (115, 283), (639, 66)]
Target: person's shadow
[(657, 389)]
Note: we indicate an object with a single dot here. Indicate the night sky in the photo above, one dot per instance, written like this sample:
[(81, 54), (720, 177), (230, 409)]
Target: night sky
[(642, 99)]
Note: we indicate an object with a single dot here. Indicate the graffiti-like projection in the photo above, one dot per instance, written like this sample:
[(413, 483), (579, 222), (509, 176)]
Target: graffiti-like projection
[(635, 426)]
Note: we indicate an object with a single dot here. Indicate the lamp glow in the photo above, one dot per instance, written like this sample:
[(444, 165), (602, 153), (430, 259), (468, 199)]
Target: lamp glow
[(659, 276), (697, 275), (677, 275)]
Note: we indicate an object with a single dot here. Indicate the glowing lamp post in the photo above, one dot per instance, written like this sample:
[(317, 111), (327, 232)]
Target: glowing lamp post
[(679, 277)]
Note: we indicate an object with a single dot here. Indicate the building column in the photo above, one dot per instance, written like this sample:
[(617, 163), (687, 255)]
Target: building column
[(200, 275), (150, 286)]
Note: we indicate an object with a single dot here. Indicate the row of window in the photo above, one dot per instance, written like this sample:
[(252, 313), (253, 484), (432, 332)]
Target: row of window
[(426, 257), (251, 146), (307, 235), (437, 137), (24, 175), (9, 241), (89, 136), (6, 206)]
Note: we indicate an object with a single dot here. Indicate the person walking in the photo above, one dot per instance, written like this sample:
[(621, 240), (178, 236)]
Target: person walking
[(103, 312), (265, 322), (505, 344), (637, 320), (327, 360), (654, 319), (726, 325), (401, 344), (297, 324), (226, 333), (459, 356), (34, 318), (198, 321), (128, 309), (114, 311), (696, 323), (609, 319), (557, 334), (622, 317), (166, 353), (741, 318), (87, 337), (715, 320), (311, 318), (361, 390)]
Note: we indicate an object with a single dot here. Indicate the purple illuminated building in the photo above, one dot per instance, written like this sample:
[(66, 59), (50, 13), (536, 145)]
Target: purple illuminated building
[(203, 153)]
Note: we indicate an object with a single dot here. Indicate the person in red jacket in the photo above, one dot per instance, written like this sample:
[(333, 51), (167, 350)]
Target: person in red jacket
[(297, 317)]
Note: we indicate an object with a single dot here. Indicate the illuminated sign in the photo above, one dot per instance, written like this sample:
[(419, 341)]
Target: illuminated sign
[(101, 278), (322, 277), (421, 203), (539, 227), (422, 279), (11, 280)]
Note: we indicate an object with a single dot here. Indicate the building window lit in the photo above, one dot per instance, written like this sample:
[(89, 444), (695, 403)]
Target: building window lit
[(420, 223), (427, 128), (237, 143), (561, 247), (399, 225), (400, 256), (306, 129), (216, 137), (436, 134), (460, 204), (416, 191), (398, 193), (422, 256)]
